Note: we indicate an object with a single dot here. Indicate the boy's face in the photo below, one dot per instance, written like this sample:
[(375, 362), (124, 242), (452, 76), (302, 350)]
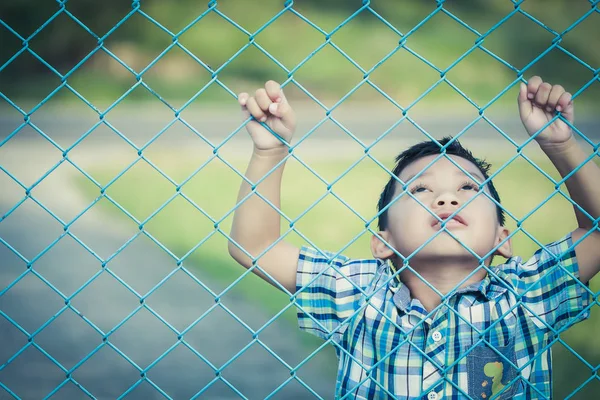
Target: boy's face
[(443, 189)]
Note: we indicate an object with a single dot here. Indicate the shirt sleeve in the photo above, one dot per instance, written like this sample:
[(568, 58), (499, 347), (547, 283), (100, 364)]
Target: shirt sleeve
[(329, 290), (550, 287)]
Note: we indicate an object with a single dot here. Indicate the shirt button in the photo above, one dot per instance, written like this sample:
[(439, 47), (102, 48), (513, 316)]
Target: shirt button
[(437, 336), (432, 396)]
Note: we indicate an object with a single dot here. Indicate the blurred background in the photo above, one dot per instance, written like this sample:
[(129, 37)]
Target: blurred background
[(122, 149)]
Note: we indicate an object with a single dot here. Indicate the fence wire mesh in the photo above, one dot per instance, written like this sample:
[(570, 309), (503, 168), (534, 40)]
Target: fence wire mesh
[(104, 335)]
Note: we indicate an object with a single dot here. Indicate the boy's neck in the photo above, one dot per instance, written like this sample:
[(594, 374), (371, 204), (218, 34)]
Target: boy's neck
[(444, 277)]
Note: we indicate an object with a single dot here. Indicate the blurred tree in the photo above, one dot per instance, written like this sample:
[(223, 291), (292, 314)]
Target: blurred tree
[(62, 43)]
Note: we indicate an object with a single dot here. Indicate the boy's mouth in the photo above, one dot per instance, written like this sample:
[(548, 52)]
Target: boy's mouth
[(457, 220)]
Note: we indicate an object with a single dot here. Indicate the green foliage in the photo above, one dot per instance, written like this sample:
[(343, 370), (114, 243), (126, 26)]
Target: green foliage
[(328, 74)]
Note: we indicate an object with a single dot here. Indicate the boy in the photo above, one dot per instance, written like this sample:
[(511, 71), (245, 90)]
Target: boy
[(478, 331)]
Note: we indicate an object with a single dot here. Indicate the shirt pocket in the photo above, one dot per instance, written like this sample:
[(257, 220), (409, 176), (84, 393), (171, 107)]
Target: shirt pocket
[(488, 372)]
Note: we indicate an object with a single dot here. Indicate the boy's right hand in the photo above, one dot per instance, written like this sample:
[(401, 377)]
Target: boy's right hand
[(270, 106)]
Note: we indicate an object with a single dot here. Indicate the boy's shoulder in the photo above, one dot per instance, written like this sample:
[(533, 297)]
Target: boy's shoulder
[(331, 265), (556, 252), (313, 255), (550, 265)]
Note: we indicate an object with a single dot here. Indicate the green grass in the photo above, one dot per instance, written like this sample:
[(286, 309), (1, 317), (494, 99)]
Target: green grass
[(330, 224)]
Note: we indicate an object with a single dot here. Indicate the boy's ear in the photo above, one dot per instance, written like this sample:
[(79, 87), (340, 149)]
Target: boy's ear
[(505, 250), (379, 248)]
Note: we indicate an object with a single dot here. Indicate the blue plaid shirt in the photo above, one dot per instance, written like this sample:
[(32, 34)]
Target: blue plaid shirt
[(488, 340)]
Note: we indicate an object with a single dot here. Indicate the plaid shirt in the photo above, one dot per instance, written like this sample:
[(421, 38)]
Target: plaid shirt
[(491, 338)]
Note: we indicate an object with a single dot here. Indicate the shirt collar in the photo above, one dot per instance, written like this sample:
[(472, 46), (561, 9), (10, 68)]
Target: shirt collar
[(489, 287)]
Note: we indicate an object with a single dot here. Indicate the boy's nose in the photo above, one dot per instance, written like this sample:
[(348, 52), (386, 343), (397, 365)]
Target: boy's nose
[(446, 199), (443, 202)]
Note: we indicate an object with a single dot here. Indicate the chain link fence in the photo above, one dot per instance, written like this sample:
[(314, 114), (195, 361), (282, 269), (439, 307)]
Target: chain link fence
[(179, 188)]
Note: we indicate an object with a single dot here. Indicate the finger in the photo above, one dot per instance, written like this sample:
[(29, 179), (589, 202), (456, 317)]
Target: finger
[(279, 109), (553, 97), (533, 86), (563, 101), (284, 111), (245, 112), (263, 99), (255, 110), (522, 92), (524, 103), (567, 108), (274, 110), (541, 97), (274, 91), (243, 98)]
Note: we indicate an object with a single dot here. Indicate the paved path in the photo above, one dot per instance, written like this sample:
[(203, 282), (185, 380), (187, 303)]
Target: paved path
[(366, 123), (106, 302)]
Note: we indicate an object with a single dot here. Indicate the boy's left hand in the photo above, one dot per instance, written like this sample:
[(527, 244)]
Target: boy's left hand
[(538, 103)]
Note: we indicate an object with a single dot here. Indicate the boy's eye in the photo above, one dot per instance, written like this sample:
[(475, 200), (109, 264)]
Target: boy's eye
[(418, 189), (469, 186)]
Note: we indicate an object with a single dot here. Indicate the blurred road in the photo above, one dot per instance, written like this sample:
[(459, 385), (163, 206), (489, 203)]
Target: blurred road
[(142, 124), (136, 337), (134, 343)]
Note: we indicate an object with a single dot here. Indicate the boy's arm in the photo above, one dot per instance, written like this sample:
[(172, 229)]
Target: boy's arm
[(537, 103), (256, 225), (584, 189)]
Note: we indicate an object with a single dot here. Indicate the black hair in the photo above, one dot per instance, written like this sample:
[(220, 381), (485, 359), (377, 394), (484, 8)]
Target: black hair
[(428, 148)]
